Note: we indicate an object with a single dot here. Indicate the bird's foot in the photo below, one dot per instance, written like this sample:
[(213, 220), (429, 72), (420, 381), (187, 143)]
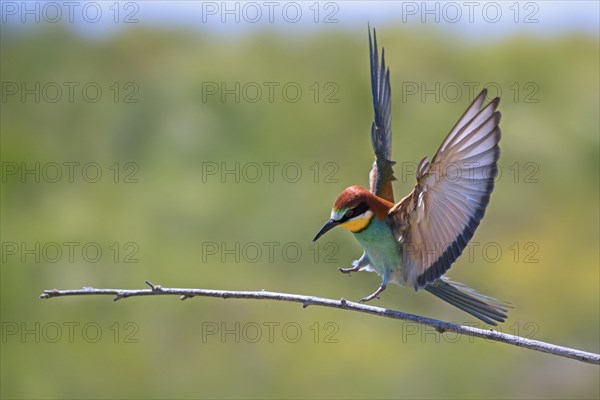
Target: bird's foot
[(349, 270), (374, 295)]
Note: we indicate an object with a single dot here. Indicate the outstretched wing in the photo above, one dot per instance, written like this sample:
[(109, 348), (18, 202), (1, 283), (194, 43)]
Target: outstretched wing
[(382, 174), (435, 222)]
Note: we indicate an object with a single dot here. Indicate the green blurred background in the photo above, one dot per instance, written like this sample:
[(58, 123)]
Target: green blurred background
[(158, 212)]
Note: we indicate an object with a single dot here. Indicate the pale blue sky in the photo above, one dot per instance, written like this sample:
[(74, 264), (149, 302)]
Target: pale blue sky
[(478, 20)]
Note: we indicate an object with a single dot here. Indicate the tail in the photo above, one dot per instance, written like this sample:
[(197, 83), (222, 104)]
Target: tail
[(486, 308)]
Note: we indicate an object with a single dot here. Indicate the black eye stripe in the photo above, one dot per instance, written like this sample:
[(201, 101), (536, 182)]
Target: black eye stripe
[(353, 212)]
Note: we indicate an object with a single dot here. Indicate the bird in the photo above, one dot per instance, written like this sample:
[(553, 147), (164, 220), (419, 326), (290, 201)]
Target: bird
[(413, 242)]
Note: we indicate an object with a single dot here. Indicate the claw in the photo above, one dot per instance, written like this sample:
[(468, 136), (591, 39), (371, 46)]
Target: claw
[(349, 270), (374, 295)]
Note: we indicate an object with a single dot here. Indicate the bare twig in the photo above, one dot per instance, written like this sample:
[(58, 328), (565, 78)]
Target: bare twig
[(440, 326)]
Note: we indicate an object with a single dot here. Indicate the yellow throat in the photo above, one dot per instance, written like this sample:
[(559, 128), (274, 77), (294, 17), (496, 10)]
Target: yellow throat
[(358, 224)]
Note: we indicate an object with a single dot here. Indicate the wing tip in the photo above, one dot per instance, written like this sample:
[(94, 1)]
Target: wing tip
[(483, 95), (381, 95)]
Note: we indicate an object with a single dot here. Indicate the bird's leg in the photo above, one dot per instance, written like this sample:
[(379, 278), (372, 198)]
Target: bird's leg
[(384, 281), (374, 295)]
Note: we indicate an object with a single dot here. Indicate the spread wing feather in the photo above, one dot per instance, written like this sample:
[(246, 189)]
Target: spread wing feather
[(437, 219), (382, 174)]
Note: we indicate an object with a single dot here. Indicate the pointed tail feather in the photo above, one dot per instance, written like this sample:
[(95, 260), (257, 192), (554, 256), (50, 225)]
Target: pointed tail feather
[(486, 308)]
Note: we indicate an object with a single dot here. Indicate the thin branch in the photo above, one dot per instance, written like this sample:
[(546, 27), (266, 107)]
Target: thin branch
[(440, 326)]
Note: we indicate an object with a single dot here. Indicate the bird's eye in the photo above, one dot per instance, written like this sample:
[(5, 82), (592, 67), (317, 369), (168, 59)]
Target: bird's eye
[(358, 210)]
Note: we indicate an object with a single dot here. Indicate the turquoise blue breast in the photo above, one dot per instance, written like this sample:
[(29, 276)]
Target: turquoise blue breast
[(380, 245)]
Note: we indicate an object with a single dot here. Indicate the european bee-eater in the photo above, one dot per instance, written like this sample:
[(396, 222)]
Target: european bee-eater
[(415, 241)]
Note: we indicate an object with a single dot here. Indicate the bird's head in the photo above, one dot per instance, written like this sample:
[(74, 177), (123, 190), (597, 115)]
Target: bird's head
[(354, 209)]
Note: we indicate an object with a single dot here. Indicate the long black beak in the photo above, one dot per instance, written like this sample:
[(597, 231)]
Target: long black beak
[(328, 226)]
